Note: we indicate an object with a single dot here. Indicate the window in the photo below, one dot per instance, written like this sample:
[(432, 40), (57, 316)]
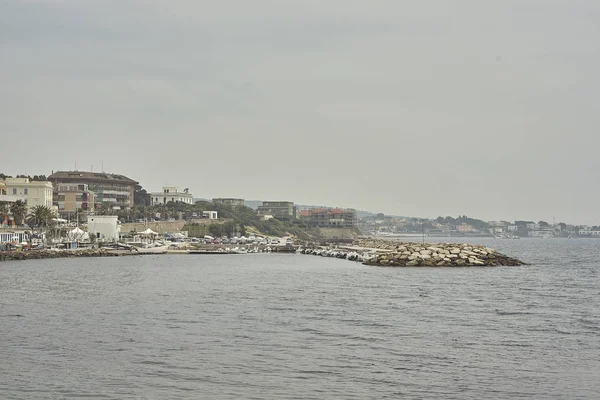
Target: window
[(14, 191), (26, 191)]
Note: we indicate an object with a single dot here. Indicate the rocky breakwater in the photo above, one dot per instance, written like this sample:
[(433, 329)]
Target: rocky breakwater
[(402, 254), (41, 254)]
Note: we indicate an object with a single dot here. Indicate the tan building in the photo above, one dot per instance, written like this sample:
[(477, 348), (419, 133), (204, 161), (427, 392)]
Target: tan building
[(282, 210), (329, 217), (112, 189), (72, 197), (33, 193), (464, 228)]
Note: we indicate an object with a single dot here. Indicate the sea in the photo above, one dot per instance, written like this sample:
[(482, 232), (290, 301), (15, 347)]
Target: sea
[(287, 326)]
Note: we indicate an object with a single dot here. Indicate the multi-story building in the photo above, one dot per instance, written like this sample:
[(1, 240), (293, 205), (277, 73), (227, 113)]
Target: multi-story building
[(112, 189), (9, 198), (329, 217), (464, 227), (229, 201), (33, 193), (72, 197), (171, 194), (282, 210)]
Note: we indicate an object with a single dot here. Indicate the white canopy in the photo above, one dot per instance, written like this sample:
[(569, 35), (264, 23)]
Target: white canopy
[(148, 232), (78, 234)]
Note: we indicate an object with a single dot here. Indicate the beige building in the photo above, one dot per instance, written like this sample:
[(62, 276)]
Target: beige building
[(72, 197), (464, 228), (281, 210), (33, 193)]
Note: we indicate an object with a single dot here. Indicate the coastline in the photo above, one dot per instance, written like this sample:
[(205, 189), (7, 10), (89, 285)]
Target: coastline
[(372, 252)]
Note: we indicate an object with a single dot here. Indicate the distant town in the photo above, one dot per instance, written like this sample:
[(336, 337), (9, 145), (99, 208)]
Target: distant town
[(108, 205)]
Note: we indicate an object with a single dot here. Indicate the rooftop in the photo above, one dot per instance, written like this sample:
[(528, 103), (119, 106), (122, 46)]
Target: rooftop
[(90, 176)]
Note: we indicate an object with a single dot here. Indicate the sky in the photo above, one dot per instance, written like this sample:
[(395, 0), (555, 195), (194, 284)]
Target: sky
[(415, 108)]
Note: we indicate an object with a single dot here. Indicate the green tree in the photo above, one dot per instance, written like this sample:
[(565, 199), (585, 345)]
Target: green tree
[(141, 196), (18, 210), (105, 209), (4, 210), (41, 217)]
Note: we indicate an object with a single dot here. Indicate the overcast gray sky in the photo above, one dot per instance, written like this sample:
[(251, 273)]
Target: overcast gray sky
[(420, 108)]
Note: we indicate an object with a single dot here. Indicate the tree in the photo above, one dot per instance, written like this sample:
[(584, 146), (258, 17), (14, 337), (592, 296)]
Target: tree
[(41, 217), (4, 210), (19, 210), (141, 196), (105, 209)]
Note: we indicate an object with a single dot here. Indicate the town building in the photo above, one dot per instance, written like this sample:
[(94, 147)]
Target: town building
[(281, 210), (32, 193), (329, 217), (210, 215), (105, 227), (112, 189), (229, 201), (9, 198), (464, 227), (72, 197), (171, 194)]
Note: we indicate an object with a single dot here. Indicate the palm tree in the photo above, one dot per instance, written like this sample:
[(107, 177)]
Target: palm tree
[(4, 210), (19, 210), (41, 217)]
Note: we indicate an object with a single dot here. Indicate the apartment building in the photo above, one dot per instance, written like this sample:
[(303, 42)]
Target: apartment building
[(32, 193), (115, 190)]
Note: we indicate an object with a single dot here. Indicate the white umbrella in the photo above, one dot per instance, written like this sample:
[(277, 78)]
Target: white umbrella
[(148, 232)]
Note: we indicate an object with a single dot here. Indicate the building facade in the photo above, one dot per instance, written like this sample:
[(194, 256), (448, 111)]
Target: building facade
[(33, 193), (210, 215), (171, 194), (114, 190), (282, 210), (8, 198), (105, 227), (72, 197), (329, 217), (229, 201)]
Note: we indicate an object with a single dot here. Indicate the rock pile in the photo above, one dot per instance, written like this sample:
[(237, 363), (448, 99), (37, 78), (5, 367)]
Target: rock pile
[(402, 254), (40, 254)]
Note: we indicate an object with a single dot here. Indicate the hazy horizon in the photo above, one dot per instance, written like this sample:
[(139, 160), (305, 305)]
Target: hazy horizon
[(445, 108)]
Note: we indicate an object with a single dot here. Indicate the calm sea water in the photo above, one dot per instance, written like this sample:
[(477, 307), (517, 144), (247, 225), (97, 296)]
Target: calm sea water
[(302, 327)]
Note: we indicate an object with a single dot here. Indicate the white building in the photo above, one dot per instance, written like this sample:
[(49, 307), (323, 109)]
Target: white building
[(105, 227), (171, 193), (209, 214), (34, 193), (584, 230), (7, 198)]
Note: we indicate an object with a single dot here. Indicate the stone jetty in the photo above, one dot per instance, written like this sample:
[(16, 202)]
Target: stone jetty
[(40, 254), (406, 254)]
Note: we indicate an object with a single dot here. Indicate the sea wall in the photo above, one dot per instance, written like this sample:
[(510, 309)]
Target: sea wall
[(165, 226), (41, 254), (407, 254)]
